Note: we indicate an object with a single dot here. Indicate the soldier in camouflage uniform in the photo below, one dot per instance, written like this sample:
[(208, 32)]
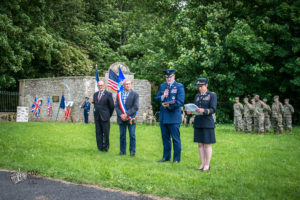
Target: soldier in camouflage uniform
[(238, 110), (267, 112), (253, 104), (259, 116), (183, 117), (248, 110), (288, 110), (149, 116), (192, 119), (277, 111)]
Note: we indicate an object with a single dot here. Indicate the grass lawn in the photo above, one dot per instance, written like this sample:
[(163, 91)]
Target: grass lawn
[(243, 166)]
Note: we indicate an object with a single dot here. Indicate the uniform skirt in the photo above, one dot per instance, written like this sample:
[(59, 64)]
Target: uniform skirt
[(204, 135)]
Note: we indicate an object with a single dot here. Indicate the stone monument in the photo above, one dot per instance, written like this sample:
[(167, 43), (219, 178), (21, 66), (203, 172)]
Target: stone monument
[(75, 89)]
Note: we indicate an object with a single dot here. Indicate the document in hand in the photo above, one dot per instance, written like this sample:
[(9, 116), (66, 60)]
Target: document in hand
[(192, 107), (168, 102)]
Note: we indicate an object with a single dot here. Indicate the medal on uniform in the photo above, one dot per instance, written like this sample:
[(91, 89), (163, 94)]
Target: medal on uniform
[(173, 97)]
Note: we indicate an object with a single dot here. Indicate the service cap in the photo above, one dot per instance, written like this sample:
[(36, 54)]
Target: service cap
[(201, 81), (169, 72)]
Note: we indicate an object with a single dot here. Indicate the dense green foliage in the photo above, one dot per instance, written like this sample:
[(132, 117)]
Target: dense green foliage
[(243, 47), (244, 166)]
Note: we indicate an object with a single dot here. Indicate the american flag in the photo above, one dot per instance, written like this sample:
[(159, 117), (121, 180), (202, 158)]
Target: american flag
[(36, 106), (112, 81), (49, 106)]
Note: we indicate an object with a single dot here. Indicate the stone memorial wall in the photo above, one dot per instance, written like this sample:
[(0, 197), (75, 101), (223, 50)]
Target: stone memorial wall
[(75, 89)]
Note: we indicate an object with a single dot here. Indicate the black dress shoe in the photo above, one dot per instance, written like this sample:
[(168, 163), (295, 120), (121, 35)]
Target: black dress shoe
[(163, 160), (121, 154), (132, 155), (206, 169)]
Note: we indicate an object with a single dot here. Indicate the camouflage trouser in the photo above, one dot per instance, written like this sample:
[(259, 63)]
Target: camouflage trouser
[(248, 124), (238, 123), (151, 120), (277, 124), (259, 123), (287, 122), (267, 124)]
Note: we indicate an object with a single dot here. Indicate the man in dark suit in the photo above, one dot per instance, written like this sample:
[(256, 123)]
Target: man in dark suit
[(127, 105), (171, 95), (103, 109)]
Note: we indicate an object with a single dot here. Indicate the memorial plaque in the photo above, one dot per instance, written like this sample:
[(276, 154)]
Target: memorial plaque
[(55, 98)]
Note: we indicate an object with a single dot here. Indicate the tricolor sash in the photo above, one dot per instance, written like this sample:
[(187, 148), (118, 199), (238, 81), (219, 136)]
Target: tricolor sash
[(122, 106)]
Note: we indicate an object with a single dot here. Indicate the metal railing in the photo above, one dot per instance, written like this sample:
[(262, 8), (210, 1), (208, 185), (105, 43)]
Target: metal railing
[(9, 101)]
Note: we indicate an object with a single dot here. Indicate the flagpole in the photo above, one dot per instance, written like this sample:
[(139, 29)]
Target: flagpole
[(57, 113), (62, 98)]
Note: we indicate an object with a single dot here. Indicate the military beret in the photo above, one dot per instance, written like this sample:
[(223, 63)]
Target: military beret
[(169, 72), (265, 99), (286, 99), (276, 97), (201, 81), (256, 96), (246, 99)]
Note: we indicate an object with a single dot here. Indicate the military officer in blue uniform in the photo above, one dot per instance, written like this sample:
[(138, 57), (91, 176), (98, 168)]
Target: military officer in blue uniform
[(171, 96), (86, 109), (204, 124)]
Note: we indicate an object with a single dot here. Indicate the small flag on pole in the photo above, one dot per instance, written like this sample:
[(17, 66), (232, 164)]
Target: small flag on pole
[(62, 102), (61, 105), (112, 82), (36, 106), (49, 106), (67, 112)]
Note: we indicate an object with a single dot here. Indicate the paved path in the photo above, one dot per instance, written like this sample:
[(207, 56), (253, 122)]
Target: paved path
[(35, 188)]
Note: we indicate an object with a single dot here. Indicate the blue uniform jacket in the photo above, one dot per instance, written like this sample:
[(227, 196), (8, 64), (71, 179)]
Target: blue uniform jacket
[(87, 106), (208, 101), (172, 114)]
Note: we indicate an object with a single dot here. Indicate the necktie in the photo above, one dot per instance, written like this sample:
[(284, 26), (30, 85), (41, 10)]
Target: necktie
[(99, 96)]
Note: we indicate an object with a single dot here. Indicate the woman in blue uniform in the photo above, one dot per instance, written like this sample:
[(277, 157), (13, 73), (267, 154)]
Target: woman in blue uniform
[(204, 124)]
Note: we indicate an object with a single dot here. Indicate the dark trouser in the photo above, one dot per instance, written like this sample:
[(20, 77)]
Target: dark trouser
[(102, 134), (131, 129), (86, 116), (168, 130)]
